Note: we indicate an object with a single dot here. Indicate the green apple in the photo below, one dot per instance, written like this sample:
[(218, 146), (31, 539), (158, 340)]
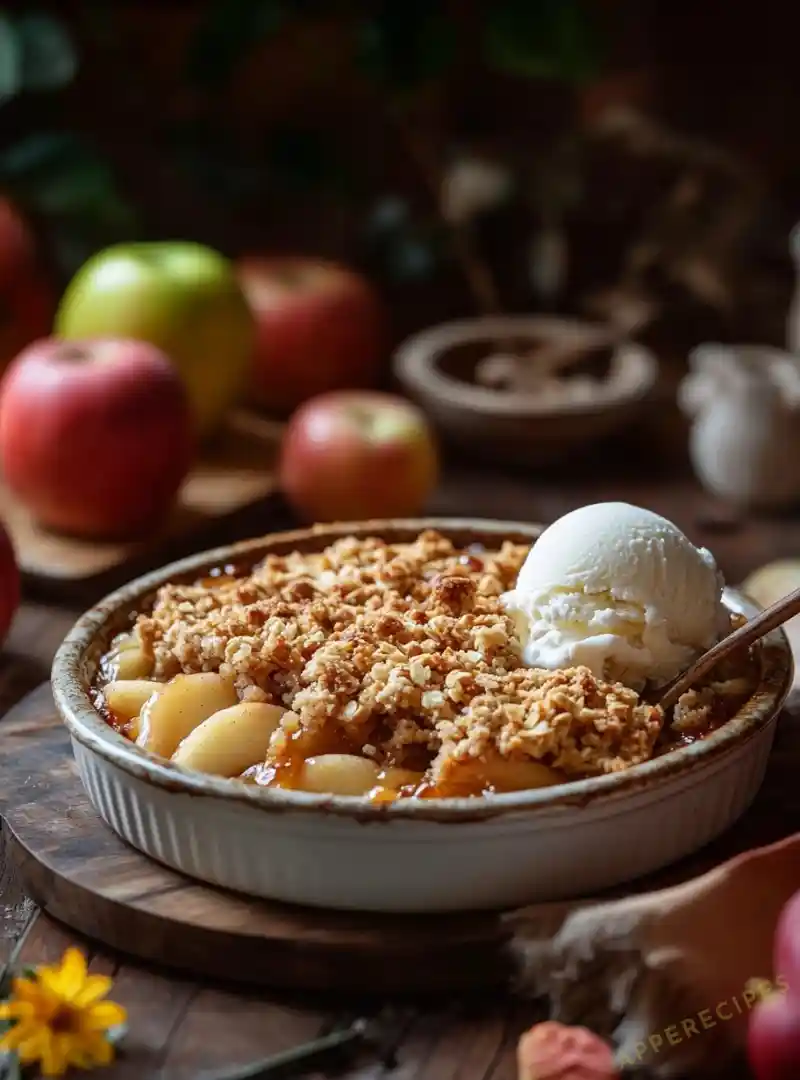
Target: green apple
[(181, 297)]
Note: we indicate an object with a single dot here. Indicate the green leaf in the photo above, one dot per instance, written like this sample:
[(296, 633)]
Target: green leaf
[(59, 175), (543, 39), (10, 60), (405, 43), (72, 189), (49, 60), (38, 154), (55, 171), (227, 32)]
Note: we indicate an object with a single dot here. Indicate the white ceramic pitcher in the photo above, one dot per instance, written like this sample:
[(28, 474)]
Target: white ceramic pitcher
[(744, 404)]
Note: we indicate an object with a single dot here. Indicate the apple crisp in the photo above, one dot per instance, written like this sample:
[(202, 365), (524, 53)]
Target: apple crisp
[(400, 655)]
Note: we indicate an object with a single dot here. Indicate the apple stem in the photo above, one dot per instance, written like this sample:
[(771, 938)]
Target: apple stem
[(73, 354)]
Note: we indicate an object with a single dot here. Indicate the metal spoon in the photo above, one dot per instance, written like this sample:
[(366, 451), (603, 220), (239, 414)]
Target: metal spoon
[(773, 616)]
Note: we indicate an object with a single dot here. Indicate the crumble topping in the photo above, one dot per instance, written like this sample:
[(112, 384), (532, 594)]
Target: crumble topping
[(400, 652)]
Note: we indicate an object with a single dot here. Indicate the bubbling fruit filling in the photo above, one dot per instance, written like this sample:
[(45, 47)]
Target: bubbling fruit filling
[(383, 670)]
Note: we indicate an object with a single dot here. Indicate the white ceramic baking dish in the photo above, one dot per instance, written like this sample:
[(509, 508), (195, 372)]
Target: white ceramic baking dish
[(409, 856)]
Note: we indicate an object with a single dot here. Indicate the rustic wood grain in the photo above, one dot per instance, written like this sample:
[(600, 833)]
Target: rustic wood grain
[(24, 662), (79, 871)]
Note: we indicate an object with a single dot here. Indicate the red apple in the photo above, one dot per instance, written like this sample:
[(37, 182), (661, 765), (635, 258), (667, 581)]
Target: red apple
[(26, 314), (9, 583), (17, 247), (95, 436), (321, 327), (773, 1036), (27, 302), (358, 454)]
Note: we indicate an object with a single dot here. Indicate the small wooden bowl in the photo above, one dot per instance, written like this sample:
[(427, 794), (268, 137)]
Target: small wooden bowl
[(437, 369)]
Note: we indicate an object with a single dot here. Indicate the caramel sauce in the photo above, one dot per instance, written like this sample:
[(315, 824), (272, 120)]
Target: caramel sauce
[(467, 780), (128, 728), (380, 795), (285, 774), (461, 788), (222, 575), (457, 788), (383, 794), (490, 775), (674, 740), (118, 723), (210, 581), (723, 709), (286, 770), (390, 786)]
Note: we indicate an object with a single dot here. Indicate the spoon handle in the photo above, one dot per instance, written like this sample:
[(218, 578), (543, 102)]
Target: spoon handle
[(769, 619)]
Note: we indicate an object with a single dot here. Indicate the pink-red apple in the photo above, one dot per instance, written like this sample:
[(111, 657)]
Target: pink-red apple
[(555, 1051), (787, 946), (358, 454), (9, 583), (95, 436), (773, 1038), (321, 327)]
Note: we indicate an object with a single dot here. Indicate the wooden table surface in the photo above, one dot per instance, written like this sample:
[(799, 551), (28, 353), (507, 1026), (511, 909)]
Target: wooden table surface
[(180, 1030)]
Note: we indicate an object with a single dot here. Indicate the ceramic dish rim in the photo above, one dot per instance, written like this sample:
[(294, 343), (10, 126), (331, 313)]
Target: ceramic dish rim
[(86, 725)]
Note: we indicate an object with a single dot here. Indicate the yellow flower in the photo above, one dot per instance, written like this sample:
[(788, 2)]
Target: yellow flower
[(59, 1018)]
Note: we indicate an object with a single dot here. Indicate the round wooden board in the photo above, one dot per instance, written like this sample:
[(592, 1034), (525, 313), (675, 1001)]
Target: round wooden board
[(84, 875)]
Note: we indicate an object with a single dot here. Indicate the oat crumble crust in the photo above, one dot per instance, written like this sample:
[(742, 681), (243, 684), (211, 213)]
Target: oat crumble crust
[(401, 652)]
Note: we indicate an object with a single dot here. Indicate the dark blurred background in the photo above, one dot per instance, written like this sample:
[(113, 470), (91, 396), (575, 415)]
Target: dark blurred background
[(614, 156)]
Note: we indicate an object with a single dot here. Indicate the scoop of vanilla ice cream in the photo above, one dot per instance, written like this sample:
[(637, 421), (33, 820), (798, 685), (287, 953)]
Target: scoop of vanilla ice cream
[(619, 590)]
